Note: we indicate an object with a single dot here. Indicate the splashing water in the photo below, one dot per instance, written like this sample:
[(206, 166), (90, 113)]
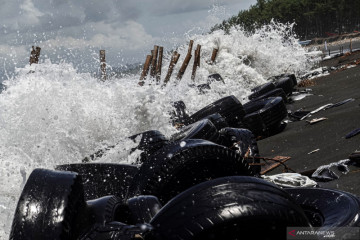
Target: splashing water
[(50, 114)]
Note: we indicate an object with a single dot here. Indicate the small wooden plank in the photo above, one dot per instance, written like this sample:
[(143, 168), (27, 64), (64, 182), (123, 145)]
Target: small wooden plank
[(271, 165), (154, 61), (186, 61), (174, 59), (146, 67), (196, 61), (103, 65), (159, 65)]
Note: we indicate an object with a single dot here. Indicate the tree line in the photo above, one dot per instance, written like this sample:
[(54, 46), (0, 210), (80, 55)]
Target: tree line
[(318, 18)]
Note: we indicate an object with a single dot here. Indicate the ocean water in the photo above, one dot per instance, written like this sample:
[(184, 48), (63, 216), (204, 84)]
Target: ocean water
[(51, 114)]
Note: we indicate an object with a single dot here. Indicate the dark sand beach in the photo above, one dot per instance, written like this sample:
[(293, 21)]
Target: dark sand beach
[(300, 138)]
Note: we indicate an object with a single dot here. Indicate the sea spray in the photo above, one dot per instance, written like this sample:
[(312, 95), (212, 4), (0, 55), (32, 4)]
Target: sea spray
[(51, 114)]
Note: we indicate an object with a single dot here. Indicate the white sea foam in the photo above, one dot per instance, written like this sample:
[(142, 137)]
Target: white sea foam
[(50, 114)]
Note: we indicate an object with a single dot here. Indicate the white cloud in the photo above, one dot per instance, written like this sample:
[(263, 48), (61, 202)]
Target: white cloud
[(129, 36)]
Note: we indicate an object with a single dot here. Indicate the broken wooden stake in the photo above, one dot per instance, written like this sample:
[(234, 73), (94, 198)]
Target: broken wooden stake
[(103, 65), (213, 55), (34, 55), (174, 59), (154, 61), (196, 61), (186, 61), (145, 69), (159, 65)]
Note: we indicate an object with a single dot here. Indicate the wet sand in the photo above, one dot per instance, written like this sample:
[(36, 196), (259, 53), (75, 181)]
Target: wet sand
[(300, 138)]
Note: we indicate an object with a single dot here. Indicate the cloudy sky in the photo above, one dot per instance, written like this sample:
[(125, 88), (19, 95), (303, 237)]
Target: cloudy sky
[(127, 29)]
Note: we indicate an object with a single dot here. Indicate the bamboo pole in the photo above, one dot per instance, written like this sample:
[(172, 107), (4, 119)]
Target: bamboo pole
[(145, 69), (154, 61), (213, 55), (186, 61), (34, 55), (174, 59), (159, 65), (196, 61), (103, 65)]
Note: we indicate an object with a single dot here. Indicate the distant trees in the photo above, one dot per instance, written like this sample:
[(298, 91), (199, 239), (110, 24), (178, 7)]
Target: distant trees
[(313, 18)]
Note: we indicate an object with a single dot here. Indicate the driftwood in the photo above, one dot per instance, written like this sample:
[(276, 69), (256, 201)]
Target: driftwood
[(159, 65), (186, 61), (145, 69), (103, 65), (174, 59), (154, 61), (34, 55), (196, 61)]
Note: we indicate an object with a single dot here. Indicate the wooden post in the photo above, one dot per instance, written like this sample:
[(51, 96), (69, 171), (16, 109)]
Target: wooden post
[(154, 61), (329, 51), (213, 55), (159, 65), (350, 45), (103, 65), (186, 61), (196, 61), (145, 69), (34, 55), (174, 59)]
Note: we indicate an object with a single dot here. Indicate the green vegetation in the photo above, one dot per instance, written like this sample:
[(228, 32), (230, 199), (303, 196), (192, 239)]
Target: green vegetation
[(318, 18)]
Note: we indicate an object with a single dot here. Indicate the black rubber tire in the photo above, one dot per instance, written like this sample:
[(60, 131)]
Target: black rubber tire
[(179, 116), (215, 78), (286, 84), (203, 129), (150, 142), (277, 92), (261, 90), (328, 208), (106, 209), (218, 120), (203, 88), (184, 164), (51, 206), (229, 107), (244, 140), (267, 118), (285, 75), (143, 208), (229, 208), (102, 179)]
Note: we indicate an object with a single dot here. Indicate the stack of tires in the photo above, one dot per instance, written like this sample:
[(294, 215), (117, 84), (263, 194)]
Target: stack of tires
[(52, 206)]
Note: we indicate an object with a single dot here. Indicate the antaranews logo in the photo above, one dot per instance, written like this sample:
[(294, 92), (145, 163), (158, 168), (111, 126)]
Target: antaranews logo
[(308, 233)]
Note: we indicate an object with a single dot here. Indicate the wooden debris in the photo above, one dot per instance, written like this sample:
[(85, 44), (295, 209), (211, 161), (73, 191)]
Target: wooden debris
[(159, 65), (280, 160), (186, 61), (174, 59), (316, 120), (145, 69), (314, 151), (103, 65), (196, 61), (34, 55)]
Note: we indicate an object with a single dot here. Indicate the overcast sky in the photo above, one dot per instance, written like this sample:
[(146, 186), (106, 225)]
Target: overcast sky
[(127, 29)]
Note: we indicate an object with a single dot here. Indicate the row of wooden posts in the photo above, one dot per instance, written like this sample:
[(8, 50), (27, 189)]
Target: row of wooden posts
[(153, 63)]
